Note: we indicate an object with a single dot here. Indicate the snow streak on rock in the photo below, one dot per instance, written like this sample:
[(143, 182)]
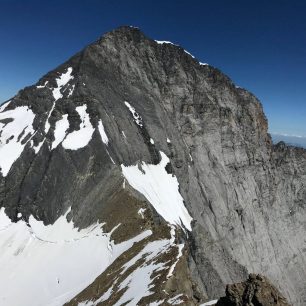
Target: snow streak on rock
[(136, 116), (210, 303), (176, 300), (161, 189), (15, 132), (102, 132), (179, 255), (45, 264)]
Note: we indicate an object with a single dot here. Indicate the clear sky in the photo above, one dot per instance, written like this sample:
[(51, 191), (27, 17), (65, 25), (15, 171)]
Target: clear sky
[(261, 45)]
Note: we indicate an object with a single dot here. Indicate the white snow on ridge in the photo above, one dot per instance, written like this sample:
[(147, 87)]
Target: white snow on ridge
[(79, 139), (161, 42), (42, 86), (189, 53), (49, 265), (61, 128), (10, 148), (161, 189)]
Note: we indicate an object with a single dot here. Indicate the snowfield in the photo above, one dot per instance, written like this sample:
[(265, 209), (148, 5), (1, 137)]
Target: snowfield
[(161, 189), (49, 265)]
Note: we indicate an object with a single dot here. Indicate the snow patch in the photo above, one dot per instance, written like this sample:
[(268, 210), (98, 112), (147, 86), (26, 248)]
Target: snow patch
[(79, 139), (176, 300), (13, 133), (71, 90), (203, 64), (102, 132), (141, 211), (61, 82), (161, 189), (213, 302), (47, 262), (156, 303), (151, 141), (61, 128), (136, 116)]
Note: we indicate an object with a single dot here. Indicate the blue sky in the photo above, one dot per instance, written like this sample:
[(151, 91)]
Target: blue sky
[(261, 45)]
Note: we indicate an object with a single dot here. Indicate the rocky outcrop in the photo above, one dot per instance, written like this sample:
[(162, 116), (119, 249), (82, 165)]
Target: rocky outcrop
[(128, 101), (257, 290)]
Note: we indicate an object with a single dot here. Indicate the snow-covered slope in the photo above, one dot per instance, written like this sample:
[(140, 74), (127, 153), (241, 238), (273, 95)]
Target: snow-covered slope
[(49, 265)]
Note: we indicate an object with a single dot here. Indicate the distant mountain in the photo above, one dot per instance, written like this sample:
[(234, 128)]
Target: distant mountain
[(297, 141), (132, 174)]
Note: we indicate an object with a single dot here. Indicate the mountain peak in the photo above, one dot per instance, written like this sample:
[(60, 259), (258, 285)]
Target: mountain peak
[(156, 170)]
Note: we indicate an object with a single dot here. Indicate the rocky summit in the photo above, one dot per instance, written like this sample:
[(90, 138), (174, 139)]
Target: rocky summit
[(133, 174)]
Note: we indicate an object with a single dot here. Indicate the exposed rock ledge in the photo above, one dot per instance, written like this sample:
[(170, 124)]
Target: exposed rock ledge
[(256, 291)]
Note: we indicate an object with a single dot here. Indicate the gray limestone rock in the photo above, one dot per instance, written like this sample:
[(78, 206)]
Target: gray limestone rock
[(247, 196)]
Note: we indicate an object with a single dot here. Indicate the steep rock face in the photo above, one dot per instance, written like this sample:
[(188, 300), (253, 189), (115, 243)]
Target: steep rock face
[(126, 101)]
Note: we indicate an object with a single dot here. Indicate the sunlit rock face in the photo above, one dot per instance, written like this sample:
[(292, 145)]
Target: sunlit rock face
[(134, 161)]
